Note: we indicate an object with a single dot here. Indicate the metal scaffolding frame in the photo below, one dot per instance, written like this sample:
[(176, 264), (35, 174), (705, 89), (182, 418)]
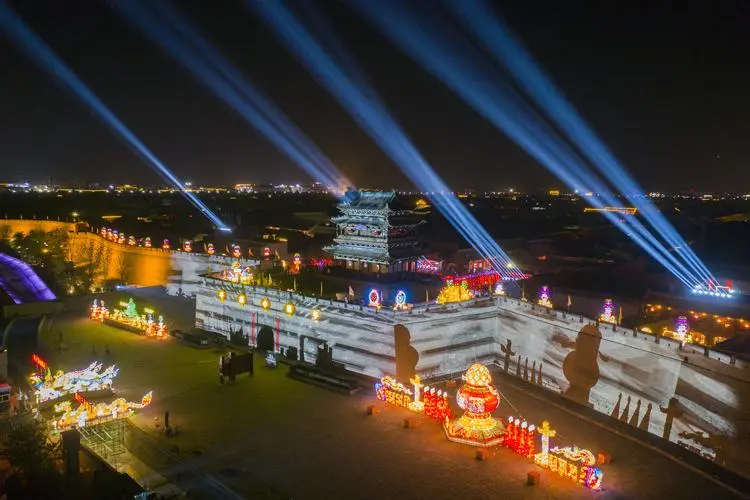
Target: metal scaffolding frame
[(107, 440)]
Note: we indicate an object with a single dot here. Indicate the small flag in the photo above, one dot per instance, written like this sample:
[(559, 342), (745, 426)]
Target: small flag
[(619, 319), (321, 288), (570, 302), (427, 296), (295, 284), (351, 291)]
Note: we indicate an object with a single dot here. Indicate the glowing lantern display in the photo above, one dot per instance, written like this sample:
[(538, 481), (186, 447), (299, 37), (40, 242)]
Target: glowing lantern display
[(297, 259), (266, 253), (478, 398), (210, 250), (400, 301), (436, 404), (682, 328), (129, 318), (109, 234), (373, 298), (92, 378), (242, 299), (221, 295), (121, 239), (103, 232), (393, 392), (520, 437), (315, 314), (131, 240), (454, 292), (545, 297), (236, 251), (608, 312), (265, 303), (428, 266), (88, 413), (187, 246), (38, 362), (165, 245), (572, 462), (499, 290), (290, 308), (147, 242), (99, 310)]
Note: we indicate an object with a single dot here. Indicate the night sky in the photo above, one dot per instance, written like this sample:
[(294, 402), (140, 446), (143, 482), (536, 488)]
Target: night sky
[(666, 86)]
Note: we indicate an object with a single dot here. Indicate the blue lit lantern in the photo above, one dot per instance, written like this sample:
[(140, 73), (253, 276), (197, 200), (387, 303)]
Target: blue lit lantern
[(401, 299)]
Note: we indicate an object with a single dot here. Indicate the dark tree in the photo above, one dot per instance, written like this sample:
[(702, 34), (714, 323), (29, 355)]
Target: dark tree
[(33, 458)]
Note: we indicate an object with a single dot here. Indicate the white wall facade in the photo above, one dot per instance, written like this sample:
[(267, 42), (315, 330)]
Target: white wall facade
[(697, 397)]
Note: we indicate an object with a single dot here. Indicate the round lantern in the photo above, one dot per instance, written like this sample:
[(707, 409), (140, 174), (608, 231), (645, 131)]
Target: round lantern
[(222, 295), (374, 298), (265, 303), (242, 299), (401, 298), (315, 314), (478, 398), (289, 308)]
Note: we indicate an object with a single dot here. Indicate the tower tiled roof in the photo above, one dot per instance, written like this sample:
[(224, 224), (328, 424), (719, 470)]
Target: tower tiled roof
[(373, 200)]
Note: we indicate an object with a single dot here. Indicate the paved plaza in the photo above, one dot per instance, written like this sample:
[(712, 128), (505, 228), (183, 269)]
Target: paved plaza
[(268, 436)]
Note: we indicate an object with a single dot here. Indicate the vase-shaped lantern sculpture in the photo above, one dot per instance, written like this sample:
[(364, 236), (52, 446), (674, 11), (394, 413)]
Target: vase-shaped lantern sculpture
[(478, 398)]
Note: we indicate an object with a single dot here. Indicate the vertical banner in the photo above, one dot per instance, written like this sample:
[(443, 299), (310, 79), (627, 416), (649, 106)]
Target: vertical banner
[(278, 327), (252, 329)]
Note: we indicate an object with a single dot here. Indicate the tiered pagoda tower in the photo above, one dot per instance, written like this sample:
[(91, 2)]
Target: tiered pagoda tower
[(376, 233)]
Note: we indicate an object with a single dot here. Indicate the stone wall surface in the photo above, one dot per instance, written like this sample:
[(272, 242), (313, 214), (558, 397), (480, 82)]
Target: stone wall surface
[(687, 394)]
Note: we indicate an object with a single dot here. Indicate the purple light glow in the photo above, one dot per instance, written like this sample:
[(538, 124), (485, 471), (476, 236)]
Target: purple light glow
[(21, 283)]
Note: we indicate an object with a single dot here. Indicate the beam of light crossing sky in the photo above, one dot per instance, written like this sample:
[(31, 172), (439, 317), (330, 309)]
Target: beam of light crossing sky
[(482, 90), (491, 31), (373, 117), (30, 43), (169, 28)]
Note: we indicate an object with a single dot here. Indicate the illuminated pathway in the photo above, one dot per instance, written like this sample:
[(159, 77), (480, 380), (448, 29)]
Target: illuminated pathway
[(271, 437)]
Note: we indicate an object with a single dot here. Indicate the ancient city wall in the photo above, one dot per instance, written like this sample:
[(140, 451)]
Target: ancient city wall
[(178, 271), (693, 396)]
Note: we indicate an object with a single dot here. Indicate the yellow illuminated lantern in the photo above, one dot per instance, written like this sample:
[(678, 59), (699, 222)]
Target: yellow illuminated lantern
[(222, 295), (315, 314), (289, 308), (242, 299), (265, 303)]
